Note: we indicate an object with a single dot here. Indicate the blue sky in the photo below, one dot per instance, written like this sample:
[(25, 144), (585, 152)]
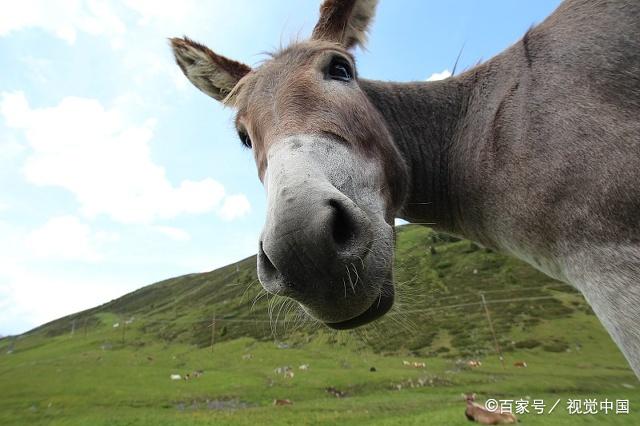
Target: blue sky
[(115, 172)]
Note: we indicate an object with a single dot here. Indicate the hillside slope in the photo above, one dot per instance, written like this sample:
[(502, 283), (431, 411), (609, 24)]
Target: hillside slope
[(438, 309)]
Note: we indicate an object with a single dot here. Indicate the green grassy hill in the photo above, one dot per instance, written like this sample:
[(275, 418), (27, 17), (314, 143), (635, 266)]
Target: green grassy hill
[(439, 307), (111, 364)]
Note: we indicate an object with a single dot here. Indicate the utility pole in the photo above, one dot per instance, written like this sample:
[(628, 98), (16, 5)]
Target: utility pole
[(493, 333), (213, 329), (84, 326), (73, 327)]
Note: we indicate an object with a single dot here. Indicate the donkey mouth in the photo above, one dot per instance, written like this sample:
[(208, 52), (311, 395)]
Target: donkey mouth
[(380, 306)]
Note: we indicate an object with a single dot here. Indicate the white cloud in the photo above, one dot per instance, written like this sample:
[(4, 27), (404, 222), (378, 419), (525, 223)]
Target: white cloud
[(15, 108), (174, 233), (63, 238), (10, 149), (30, 298), (146, 50), (106, 237), (439, 75), (234, 206), (64, 18), (105, 162)]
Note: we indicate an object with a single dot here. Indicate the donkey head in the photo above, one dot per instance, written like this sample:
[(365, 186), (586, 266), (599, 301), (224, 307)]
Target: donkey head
[(333, 177)]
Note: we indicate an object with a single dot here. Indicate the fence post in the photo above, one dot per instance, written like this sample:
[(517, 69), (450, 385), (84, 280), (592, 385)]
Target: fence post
[(493, 333)]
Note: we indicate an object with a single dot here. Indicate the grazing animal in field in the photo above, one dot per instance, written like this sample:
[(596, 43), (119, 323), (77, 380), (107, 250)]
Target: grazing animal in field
[(193, 375), (335, 392), (474, 363), (535, 152), (406, 363), (304, 367), (282, 402), (478, 413), (520, 364), (175, 377), (283, 370), (419, 365)]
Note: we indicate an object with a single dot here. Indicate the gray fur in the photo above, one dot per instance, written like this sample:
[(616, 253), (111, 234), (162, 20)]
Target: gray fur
[(537, 152)]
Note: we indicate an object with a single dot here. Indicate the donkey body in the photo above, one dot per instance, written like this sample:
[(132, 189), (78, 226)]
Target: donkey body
[(535, 152), (480, 414)]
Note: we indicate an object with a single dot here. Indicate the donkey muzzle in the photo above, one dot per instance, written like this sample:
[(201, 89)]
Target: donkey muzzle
[(316, 243)]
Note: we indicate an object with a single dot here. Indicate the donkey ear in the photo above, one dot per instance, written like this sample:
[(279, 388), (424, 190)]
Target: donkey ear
[(345, 21), (215, 75)]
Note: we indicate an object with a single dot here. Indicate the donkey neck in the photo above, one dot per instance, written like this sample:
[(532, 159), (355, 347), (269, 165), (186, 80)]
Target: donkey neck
[(423, 119)]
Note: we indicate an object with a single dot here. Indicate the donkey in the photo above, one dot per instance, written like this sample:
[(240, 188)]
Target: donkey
[(535, 152), (479, 413)]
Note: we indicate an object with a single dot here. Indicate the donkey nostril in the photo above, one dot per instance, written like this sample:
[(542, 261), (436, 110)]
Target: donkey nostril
[(342, 225), (267, 267)]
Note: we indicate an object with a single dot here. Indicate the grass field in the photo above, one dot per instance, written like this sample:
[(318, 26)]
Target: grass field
[(77, 380), (111, 365)]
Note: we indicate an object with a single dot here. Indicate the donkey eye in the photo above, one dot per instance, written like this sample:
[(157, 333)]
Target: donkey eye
[(340, 69), (244, 138)]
